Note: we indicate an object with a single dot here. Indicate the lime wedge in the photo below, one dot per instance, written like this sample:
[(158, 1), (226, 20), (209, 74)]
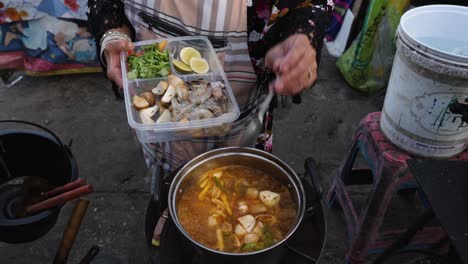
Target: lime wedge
[(199, 65), (187, 53), (180, 66)]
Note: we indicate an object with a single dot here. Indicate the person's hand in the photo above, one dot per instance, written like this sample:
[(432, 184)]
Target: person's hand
[(294, 63), (112, 54)]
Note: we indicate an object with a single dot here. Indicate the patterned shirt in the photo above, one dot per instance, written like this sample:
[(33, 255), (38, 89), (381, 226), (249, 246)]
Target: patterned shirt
[(290, 16), (242, 31)]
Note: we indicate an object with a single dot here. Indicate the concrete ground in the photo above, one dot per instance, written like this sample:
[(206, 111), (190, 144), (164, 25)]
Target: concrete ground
[(83, 108)]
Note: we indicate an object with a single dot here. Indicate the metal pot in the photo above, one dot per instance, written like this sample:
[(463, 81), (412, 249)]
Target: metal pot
[(248, 157)]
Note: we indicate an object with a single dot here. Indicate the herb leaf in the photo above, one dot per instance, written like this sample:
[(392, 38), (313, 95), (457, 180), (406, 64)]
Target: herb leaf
[(249, 247), (268, 237), (148, 63)]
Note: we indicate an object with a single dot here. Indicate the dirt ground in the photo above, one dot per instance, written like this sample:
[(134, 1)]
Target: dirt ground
[(83, 108)]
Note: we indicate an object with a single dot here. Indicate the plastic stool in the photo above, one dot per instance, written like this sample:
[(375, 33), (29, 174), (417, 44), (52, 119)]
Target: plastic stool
[(389, 172)]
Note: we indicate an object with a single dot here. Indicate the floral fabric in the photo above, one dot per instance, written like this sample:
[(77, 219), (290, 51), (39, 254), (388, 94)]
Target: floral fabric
[(268, 21)]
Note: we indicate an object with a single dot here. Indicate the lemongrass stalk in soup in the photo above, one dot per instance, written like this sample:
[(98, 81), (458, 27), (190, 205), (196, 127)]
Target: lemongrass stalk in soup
[(236, 209)]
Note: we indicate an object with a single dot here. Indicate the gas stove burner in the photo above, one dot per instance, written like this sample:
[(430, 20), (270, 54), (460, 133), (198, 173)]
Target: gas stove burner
[(304, 246)]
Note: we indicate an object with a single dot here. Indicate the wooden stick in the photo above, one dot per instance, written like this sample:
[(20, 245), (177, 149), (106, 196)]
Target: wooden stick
[(65, 188), (69, 235), (59, 200)]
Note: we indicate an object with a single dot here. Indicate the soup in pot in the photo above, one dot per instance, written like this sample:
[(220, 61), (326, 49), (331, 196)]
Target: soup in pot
[(236, 209)]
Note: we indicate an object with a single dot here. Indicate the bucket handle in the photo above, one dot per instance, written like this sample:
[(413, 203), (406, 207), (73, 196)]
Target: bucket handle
[(37, 126)]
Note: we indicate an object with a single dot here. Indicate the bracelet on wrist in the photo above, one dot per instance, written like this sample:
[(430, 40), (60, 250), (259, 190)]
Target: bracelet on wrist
[(114, 34), (108, 37)]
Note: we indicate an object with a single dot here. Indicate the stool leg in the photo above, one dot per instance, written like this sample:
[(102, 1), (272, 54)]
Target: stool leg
[(406, 237), (338, 192), (341, 175), (372, 216)]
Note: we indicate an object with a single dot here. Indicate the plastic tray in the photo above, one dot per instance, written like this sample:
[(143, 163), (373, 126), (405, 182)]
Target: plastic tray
[(170, 131)]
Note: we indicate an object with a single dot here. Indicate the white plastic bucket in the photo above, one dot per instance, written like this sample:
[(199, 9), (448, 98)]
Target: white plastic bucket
[(430, 71)]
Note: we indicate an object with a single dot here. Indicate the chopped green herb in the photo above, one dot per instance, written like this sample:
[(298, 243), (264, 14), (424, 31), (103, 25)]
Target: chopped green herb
[(268, 237), (260, 245), (148, 63), (249, 247), (253, 246), (133, 74)]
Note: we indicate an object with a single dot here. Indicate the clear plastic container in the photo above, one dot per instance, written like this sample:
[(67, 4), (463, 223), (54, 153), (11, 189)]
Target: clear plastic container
[(169, 131)]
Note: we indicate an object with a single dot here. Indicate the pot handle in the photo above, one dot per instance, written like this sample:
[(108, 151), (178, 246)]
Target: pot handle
[(312, 184), (37, 126), (156, 180)]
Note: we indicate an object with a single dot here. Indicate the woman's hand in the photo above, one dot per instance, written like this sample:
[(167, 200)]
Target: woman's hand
[(112, 54), (295, 65)]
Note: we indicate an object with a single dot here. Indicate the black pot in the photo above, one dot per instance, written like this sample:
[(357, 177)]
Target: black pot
[(262, 161), (37, 154)]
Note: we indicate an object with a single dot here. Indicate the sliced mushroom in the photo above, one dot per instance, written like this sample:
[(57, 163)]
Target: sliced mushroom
[(168, 95), (149, 97), (161, 88), (240, 231), (147, 114), (270, 199), (162, 107), (176, 81), (151, 111), (140, 103), (257, 208), (164, 117), (146, 119), (258, 228), (247, 222), (266, 218), (251, 238)]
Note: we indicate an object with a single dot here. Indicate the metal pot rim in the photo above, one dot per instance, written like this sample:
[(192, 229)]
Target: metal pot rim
[(195, 162), (32, 219)]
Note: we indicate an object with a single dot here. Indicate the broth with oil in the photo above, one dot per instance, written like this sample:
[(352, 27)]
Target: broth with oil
[(236, 209)]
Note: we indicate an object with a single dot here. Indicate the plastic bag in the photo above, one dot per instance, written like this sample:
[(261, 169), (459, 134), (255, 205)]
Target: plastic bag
[(367, 64)]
